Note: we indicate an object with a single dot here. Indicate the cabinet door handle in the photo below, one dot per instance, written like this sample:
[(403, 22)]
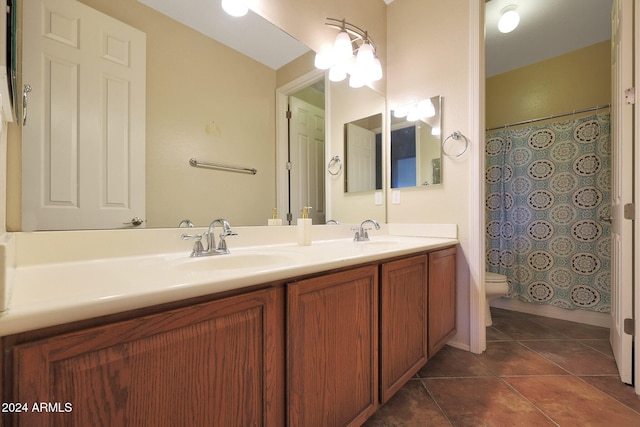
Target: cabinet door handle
[(25, 98)]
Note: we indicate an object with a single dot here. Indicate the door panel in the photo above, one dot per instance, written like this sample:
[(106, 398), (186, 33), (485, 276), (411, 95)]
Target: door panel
[(307, 158), (621, 185), (84, 140)]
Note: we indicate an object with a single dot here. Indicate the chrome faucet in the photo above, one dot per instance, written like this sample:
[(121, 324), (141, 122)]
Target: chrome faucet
[(361, 232), (221, 249), (222, 244)]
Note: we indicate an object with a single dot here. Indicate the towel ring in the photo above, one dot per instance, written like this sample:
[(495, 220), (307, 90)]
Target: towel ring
[(335, 160), (455, 136)]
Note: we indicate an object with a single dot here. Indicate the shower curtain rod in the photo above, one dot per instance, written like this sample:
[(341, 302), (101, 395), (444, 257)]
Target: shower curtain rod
[(555, 116)]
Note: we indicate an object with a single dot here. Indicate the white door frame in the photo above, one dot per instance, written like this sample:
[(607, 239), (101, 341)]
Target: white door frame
[(636, 201), (282, 126), (476, 253)]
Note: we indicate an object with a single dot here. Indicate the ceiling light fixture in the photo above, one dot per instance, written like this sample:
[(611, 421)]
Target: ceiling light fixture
[(353, 53), (235, 7), (509, 19)]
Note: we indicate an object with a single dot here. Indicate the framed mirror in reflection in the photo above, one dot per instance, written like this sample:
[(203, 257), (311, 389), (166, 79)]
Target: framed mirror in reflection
[(363, 154), (416, 150)]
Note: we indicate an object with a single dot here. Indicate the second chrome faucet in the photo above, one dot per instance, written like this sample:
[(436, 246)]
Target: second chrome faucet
[(212, 249), (361, 232)]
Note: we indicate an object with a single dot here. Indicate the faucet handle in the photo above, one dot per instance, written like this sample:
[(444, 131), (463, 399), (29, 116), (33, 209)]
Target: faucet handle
[(196, 237), (222, 243), (198, 249)]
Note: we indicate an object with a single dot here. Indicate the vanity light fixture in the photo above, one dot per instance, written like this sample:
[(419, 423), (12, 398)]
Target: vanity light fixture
[(416, 111), (363, 66), (235, 7), (509, 19)]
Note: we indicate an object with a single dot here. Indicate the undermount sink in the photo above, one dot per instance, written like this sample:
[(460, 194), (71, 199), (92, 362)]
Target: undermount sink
[(236, 260)]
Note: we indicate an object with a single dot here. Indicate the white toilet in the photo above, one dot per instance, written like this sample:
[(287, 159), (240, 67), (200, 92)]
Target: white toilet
[(496, 286)]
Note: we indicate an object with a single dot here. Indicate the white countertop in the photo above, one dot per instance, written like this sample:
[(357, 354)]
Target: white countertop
[(48, 294)]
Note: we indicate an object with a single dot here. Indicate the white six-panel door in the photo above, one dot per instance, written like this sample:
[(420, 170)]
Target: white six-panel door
[(84, 137)]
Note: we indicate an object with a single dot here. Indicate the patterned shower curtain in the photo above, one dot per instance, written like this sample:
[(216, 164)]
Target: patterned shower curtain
[(546, 189)]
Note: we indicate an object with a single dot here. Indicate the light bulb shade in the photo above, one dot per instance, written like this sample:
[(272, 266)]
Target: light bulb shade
[(375, 70), (365, 56), (234, 7), (356, 80), (400, 112), (426, 108), (342, 49), (337, 73), (508, 21), (413, 114), (324, 59)]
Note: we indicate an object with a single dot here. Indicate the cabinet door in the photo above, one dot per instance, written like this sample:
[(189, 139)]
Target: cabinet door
[(211, 364), (332, 330), (403, 326), (442, 298)]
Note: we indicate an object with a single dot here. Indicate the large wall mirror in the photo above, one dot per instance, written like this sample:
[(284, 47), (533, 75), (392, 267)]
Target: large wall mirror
[(416, 149), (202, 100), (363, 154)]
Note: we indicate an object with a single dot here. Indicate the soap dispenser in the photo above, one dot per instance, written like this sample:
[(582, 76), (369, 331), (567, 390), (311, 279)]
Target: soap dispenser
[(274, 220), (304, 227)]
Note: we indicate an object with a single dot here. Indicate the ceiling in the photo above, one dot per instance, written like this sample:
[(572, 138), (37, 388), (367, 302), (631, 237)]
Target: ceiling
[(251, 34), (547, 28)]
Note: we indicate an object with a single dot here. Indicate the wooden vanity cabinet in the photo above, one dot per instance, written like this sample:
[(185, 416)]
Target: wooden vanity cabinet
[(352, 338), (217, 363), (403, 322), (332, 348), (442, 298)]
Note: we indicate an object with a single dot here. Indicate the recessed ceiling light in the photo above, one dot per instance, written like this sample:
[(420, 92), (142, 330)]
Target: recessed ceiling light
[(509, 19)]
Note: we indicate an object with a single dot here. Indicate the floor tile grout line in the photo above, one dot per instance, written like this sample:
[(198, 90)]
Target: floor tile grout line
[(545, 358), (606, 394), (442, 411), (529, 401)]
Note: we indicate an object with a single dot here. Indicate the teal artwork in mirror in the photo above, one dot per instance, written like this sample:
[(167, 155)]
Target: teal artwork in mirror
[(416, 151), (363, 154)]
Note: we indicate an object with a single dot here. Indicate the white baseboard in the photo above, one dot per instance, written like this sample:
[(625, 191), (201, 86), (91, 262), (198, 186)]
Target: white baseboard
[(579, 316), (459, 345)]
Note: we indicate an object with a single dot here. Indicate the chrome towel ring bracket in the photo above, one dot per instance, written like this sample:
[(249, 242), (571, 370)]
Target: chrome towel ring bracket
[(456, 138), (335, 165)]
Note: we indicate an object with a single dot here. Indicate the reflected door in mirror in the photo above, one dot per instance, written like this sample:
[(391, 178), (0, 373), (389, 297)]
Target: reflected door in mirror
[(84, 141), (363, 154)]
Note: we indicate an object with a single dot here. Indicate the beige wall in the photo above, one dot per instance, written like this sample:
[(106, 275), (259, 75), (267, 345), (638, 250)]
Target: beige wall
[(574, 81), (428, 55)]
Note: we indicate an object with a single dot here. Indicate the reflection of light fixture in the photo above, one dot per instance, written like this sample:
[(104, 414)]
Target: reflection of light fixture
[(235, 7), (418, 110), (509, 19), (363, 67)]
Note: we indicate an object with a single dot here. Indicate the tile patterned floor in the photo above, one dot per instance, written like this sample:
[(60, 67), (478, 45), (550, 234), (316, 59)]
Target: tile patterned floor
[(536, 371)]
